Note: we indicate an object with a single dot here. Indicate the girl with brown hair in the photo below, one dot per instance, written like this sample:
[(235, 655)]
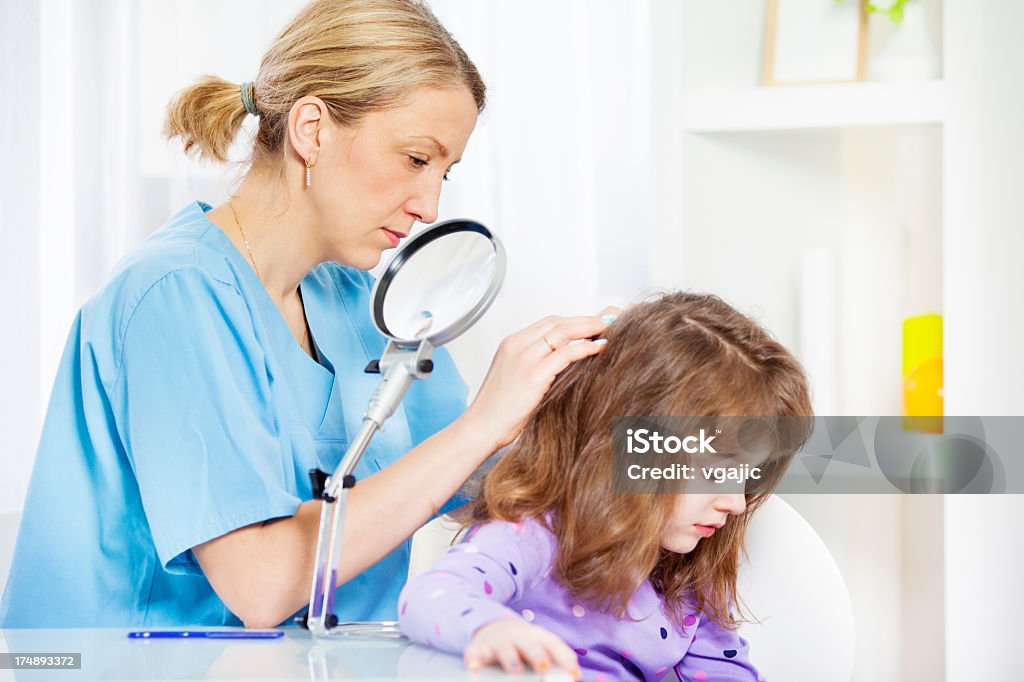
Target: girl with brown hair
[(557, 568)]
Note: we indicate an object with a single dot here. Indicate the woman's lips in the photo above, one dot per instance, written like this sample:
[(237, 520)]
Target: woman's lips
[(705, 531), (393, 237)]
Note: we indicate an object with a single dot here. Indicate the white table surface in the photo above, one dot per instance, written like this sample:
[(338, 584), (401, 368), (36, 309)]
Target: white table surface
[(108, 654)]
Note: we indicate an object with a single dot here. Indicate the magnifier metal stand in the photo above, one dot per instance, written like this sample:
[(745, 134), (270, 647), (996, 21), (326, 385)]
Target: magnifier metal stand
[(417, 307), (399, 365)]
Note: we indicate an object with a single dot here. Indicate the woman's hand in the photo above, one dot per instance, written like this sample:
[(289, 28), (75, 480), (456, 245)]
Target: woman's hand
[(514, 643), (524, 367)]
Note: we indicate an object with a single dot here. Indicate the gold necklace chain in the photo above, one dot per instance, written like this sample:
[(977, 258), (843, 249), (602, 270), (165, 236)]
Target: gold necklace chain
[(305, 326), (245, 241)]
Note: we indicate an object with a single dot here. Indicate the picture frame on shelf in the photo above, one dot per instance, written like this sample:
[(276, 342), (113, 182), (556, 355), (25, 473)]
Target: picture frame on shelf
[(812, 42)]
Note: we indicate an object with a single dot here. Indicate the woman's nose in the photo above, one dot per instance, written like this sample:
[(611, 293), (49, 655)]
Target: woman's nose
[(423, 204)]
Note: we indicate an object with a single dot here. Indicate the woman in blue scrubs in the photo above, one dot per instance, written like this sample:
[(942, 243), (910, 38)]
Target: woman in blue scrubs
[(224, 358)]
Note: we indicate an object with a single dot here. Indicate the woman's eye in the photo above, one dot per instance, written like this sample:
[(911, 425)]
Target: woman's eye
[(417, 162)]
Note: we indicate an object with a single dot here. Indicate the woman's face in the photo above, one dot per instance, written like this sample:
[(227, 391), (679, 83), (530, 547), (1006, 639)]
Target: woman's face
[(372, 181), (697, 516)]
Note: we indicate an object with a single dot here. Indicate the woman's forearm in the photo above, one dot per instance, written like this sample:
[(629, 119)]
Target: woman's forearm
[(389, 506), (263, 572)]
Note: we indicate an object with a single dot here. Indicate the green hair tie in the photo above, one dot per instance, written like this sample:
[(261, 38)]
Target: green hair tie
[(248, 98)]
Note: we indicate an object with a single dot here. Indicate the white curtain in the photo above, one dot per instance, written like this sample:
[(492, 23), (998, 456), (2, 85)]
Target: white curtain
[(559, 165)]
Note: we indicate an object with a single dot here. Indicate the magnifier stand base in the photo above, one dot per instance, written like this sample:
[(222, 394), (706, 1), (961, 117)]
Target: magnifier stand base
[(384, 629)]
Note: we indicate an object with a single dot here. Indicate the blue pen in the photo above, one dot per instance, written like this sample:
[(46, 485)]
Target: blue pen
[(206, 634)]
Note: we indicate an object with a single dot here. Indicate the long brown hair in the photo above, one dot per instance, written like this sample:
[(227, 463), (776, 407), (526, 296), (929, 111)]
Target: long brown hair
[(357, 56), (682, 354)]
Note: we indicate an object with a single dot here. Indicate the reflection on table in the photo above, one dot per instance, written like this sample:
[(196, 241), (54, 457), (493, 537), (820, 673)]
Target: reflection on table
[(108, 654)]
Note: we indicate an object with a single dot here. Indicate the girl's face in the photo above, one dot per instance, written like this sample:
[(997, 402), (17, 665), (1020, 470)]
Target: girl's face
[(697, 516), (376, 179)]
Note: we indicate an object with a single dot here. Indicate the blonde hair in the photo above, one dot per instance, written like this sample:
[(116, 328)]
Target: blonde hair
[(357, 56)]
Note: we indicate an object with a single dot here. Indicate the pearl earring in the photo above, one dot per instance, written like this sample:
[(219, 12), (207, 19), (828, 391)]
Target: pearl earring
[(309, 174)]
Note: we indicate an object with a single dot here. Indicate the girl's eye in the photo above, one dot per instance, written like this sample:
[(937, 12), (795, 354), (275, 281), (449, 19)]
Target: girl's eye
[(445, 176)]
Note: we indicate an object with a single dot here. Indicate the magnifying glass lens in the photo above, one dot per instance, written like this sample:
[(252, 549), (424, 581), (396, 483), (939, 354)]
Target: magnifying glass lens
[(438, 287)]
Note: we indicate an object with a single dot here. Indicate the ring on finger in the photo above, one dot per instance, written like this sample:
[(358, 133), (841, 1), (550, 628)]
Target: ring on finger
[(550, 345)]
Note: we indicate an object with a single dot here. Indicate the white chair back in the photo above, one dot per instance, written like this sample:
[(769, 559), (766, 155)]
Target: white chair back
[(430, 543), (791, 583)]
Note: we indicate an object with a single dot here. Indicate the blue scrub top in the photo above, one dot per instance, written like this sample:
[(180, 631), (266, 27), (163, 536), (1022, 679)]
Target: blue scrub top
[(184, 409)]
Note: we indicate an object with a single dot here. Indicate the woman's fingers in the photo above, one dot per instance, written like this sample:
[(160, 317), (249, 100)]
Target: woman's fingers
[(524, 367), (571, 328), (557, 330), (570, 353)]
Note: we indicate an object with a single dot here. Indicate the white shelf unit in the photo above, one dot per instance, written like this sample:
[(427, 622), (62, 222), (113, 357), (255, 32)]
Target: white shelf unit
[(845, 105), (767, 177)]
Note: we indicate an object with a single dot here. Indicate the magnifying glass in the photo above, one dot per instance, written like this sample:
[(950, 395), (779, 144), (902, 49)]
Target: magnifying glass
[(440, 284), (435, 288)]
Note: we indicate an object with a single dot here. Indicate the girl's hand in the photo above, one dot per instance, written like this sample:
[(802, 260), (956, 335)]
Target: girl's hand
[(514, 644), (524, 367)]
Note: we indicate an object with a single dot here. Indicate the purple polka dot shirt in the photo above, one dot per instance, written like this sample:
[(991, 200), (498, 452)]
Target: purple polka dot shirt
[(502, 570)]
